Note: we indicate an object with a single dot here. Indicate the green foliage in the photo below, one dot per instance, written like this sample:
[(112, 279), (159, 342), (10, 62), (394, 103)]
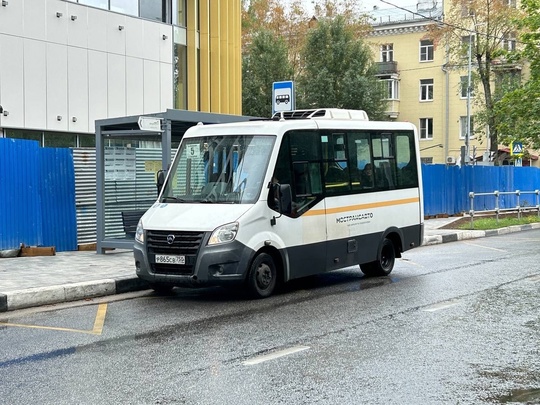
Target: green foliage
[(338, 71), (266, 61), (518, 110), (485, 224)]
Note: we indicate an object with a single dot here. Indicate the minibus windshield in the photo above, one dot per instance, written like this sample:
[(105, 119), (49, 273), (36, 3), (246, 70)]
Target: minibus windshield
[(219, 169)]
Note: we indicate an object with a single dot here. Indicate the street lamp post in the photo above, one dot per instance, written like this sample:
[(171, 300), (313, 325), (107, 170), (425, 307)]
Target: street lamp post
[(468, 129)]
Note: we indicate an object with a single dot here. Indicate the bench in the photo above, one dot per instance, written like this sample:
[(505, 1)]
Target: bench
[(130, 219)]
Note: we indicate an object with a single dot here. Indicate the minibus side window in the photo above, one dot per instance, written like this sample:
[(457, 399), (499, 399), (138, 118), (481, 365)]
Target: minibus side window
[(335, 164), (384, 160), (298, 164), (406, 160)]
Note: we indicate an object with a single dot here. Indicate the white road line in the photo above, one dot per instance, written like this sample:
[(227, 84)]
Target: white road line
[(275, 355), (408, 261), (485, 247), (439, 306)]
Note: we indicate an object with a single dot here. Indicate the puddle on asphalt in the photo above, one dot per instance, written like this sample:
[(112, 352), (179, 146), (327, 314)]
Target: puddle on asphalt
[(530, 396)]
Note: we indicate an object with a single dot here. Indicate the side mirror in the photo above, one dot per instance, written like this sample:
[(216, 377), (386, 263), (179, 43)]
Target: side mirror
[(160, 180), (285, 199)]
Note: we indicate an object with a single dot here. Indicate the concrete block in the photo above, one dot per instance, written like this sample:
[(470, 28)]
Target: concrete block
[(89, 289), (33, 297)]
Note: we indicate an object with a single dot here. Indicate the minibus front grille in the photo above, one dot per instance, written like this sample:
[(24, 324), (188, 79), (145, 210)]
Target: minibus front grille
[(174, 242)]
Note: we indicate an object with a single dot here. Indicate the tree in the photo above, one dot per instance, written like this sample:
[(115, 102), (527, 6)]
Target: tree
[(518, 111), (289, 24), (339, 71), (264, 62), (485, 25)]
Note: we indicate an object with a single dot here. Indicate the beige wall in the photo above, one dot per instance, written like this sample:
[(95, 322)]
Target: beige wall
[(447, 105)]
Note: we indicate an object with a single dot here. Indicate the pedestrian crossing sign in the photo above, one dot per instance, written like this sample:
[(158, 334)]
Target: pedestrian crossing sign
[(516, 148)]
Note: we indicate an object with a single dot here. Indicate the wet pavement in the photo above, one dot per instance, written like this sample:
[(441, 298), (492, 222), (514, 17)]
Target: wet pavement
[(69, 276)]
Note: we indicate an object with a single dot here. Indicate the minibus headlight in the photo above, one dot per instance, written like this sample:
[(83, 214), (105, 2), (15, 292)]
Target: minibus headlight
[(224, 234), (139, 232)]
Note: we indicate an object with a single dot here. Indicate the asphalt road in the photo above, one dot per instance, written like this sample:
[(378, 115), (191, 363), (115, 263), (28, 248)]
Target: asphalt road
[(457, 323)]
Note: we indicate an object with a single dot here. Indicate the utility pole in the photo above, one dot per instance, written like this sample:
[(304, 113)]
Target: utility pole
[(468, 129)]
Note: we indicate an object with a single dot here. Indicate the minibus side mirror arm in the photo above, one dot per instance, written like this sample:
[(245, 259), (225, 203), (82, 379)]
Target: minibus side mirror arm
[(283, 196), (160, 180)]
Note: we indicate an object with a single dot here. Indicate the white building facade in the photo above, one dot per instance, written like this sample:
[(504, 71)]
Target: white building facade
[(65, 64)]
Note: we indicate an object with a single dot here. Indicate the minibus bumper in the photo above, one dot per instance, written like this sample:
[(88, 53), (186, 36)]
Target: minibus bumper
[(214, 265)]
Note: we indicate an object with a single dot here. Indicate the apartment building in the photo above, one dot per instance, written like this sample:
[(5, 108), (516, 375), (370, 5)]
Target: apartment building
[(423, 87), (66, 63)]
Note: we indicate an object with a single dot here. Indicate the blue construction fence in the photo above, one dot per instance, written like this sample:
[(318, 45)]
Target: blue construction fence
[(37, 196), (37, 193), (447, 188)]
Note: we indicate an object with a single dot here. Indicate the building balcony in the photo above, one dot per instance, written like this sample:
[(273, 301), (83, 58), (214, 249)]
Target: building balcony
[(392, 109), (386, 68), (501, 65)]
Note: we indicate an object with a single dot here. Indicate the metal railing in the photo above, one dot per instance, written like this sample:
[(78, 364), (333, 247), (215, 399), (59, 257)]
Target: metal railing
[(518, 208)]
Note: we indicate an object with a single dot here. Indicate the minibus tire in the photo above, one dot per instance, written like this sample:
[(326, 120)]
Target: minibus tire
[(384, 264), (262, 276), (161, 288)]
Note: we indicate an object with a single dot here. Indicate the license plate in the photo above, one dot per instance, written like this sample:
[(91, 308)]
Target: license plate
[(170, 259)]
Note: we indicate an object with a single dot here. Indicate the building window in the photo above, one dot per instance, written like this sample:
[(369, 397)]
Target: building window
[(464, 85), (509, 42), (179, 12), (180, 77), (426, 128), (507, 79), (387, 53), (151, 9), (426, 90), (465, 40), (463, 127), (426, 50), (391, 87), (53, 139), (87, 141), (128, 7), (95, 3), (59, 140), (466, 9), (426, 160), (25, 134)]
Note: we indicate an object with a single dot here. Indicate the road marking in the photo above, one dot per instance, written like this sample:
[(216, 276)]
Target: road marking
[(275, 355), (96, 330), (485, 247), (440, 306), (409, 261), (100, 319)]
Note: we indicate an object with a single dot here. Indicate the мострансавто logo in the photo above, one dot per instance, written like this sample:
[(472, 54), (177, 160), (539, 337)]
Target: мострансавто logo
[(356, 217)]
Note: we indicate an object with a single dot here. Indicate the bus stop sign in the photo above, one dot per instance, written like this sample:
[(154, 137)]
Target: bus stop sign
[(283, 96)]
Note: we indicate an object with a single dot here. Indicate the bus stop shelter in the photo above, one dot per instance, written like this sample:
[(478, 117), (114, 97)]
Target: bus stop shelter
[(129, 152)]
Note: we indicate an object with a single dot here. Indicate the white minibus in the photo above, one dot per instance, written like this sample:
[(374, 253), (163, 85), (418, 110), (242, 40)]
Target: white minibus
[(263, 202)]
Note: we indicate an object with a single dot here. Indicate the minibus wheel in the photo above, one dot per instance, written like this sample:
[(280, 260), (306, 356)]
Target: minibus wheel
[(262, 276), (384, 264)]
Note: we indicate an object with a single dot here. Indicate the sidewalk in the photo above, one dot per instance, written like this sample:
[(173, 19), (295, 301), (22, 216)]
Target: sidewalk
[(70, 276)]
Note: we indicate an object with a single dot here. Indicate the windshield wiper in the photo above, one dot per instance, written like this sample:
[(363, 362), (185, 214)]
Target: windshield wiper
[(173, 199)]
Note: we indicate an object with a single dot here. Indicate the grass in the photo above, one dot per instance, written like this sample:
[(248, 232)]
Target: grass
[(484, 224)]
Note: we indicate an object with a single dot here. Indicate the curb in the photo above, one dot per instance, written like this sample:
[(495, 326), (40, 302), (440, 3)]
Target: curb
[(471, 234), (33, 297)]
